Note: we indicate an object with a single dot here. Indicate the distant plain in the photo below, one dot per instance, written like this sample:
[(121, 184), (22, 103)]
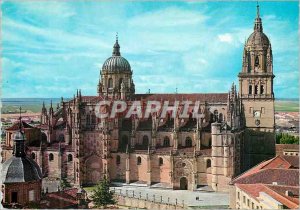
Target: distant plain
[(34, 105)]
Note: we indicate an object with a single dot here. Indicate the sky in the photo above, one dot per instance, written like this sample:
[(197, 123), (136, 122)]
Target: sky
[(52, 48)]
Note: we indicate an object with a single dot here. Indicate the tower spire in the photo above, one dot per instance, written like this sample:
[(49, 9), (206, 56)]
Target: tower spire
[(258, 24), (116, 50), (257, 9)]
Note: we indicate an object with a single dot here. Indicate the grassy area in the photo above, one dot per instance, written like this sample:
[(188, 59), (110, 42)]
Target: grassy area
[(89, 189)]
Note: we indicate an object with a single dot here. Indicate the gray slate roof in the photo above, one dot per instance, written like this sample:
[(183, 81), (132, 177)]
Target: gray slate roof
[(20, 169)]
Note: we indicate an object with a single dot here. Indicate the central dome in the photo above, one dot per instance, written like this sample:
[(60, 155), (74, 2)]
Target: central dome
[(116, 62)]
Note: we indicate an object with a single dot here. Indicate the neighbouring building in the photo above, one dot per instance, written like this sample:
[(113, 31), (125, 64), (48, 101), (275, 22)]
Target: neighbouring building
[(287, 149), (235, 132), (21, 177), (273, 184)]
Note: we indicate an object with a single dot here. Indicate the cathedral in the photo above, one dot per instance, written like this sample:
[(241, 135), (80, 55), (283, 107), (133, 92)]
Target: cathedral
[(235, 132)]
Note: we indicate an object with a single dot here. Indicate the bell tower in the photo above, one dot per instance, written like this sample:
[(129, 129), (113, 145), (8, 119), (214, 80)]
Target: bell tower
[(256, 80), (256, 93)]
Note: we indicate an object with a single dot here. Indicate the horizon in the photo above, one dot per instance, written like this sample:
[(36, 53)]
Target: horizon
[(186, 47)]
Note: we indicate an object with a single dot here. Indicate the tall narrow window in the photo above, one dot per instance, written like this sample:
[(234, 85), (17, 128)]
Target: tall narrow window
[(118, 161), (70, 158), (256, 90), (188, 142), (262, 89), (250, 89), (256, 61), (208, 163), (120, 82), (110, 83), (161, 161), (145, 141), (166, 142), (51, 157), (139, 160), (216, 116)]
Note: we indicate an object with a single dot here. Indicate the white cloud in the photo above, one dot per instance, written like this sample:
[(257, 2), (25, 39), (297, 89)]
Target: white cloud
[(225, 37)]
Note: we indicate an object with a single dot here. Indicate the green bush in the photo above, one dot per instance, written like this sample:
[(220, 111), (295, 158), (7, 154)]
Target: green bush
[(285, 138)]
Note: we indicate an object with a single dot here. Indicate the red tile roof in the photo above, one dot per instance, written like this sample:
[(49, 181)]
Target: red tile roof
[(280, 162), (275, 191), (16, 126), (62, 199), (202, 97)]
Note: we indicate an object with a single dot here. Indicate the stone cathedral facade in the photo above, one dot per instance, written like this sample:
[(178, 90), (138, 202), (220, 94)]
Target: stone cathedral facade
[(235, 132)]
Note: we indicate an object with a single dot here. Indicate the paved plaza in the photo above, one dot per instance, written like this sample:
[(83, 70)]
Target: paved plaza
[(188, 198)]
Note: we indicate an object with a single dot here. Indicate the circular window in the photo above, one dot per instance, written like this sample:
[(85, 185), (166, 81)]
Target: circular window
[(183, 164)]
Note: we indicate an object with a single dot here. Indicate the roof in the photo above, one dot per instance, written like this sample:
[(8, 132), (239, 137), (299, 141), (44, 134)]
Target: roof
[(62, 199), (16, 126), (277, 192), (279, 169), (202, 97), (20, 169)]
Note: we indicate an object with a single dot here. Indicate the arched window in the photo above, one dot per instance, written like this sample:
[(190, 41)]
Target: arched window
[(262, 89), (256, 61), (33, 155), (145, 141), (118, 160), (216, 116), (110, 83), (250, 89), (120, 82), (208, 163), (161, 161), (139, 160), (256, 90), (51, 157), (221, 117), (70, 158), (166, 142), (188, 142)]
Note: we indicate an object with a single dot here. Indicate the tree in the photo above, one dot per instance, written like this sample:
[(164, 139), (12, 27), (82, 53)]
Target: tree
[(102, 196), (284, 138), (64, 184)]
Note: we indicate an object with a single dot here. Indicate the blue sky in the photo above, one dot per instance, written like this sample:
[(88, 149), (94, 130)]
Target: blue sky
[(49, 49)]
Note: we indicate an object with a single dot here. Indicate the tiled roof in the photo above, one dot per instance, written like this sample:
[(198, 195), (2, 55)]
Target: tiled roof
[(268, 176), (280, 162), (202, 97), (293, 160), (62, 199), (16, 126), (277, 192)]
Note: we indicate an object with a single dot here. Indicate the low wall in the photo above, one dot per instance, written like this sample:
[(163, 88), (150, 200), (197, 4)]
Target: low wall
[(144, 204)]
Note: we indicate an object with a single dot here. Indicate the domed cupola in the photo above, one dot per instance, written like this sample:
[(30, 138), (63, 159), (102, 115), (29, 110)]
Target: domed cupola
[(116, 62), (20, 168), (258, 39), (116, 76)]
